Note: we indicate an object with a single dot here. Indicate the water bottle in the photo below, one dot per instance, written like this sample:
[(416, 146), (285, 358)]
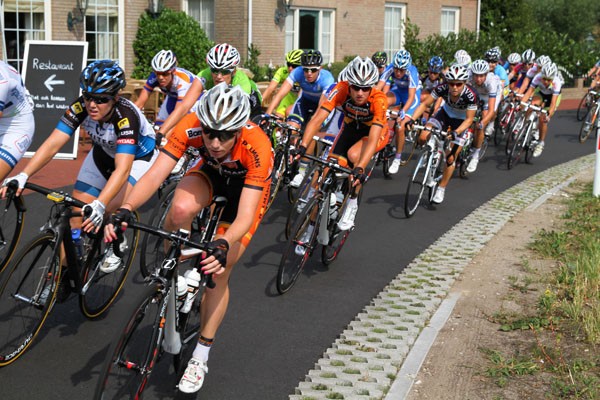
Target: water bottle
[(332, 206), (192, 278), (77, 241), (182, 289)]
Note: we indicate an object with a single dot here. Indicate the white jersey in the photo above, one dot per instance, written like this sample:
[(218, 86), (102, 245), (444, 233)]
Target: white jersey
[(554, 88), (489, 88), (14, 98)]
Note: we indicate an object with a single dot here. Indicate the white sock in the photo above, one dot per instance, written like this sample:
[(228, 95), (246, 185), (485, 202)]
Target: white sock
[(202, 349)]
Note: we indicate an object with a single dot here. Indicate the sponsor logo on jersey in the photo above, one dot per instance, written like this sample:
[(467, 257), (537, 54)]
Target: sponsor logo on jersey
[(76, 108), (126, 141), (193, 132), (123, 124), (128, 132)]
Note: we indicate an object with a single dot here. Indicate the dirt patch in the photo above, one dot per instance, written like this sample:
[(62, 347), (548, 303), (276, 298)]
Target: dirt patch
[(504, 280)]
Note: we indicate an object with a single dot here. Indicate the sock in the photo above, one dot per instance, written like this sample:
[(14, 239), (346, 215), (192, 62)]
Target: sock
[(398, 156), (202, 348), (476, 153)]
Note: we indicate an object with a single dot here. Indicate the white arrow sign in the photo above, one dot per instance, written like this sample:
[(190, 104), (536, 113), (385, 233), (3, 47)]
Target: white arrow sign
[(50, 81)]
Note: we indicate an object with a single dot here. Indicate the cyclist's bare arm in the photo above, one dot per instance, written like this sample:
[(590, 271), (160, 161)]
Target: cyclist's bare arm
[(140, 102), (182, 108), (268, 93), (313, 126), (491, 113), (422, 107), (283, 91)]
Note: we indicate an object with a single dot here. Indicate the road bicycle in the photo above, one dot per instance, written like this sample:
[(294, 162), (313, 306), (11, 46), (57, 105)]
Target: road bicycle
[(524, 134), (183, 165), (322, 209), (50, 267), (506, 116), (585, 105), (12, 219), (464, 157), (158, 324), (591, 119), (386, 156), (428, 170)]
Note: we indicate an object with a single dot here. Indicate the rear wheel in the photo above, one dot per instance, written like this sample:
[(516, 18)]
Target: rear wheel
[(588, 124), (337, 237), (27, 295), (133, 355), (276, 176), (516, 151), (416, 185), (584, 107), (11, 227), (304, 195)]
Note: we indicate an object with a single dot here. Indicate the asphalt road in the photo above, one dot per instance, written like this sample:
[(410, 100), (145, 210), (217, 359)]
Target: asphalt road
[(267, 342)]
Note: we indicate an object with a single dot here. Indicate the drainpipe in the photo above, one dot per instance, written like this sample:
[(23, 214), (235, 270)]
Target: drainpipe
[(249, 27), (478, 17)]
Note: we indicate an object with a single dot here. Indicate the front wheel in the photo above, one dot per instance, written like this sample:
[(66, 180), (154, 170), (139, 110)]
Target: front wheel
[(11, 227), (584, 107), (27, 295), (276, 176), (132, 357), (588, 124), (337, 237), (416, 185), (516, 152)]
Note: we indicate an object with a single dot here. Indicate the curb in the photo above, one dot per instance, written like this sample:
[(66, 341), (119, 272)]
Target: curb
[(371, 359)]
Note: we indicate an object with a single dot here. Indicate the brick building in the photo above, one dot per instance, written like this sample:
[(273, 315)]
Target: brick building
[(336, 27)]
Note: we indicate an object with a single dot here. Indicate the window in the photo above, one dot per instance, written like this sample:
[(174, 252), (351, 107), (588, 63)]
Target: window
[(393, 39), (450, 20), (102, 30), (203, 11), (310, 29), (23, 20)]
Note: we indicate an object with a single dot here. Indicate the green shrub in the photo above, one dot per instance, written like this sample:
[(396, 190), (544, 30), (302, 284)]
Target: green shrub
[(336, 67), (172, 30)]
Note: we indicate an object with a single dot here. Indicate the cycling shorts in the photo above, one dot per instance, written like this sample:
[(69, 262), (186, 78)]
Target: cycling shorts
[(166, 108), (16, 134), (98, 166), (547, 99), (230, 188), (402, 96), (302, 111), (442, 121), (350, 135)]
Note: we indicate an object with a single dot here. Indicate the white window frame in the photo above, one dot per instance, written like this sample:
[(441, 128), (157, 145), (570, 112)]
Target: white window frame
[(120, 51), (389, 47), (293, 19), (210, 33), (444, 31)]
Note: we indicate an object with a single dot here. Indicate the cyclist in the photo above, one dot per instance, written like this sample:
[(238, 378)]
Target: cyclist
[(457, 113), (380, 59), (487, 85), (236, 163), (545, 89), (223, 60), (405, 91), (17, 124), (173, 81), (594, 75), (362, 134), (292, 59), (533, 71), (313, 81), (434, 77), (461, 57), (492, 56), (517, 75), (123, 145)]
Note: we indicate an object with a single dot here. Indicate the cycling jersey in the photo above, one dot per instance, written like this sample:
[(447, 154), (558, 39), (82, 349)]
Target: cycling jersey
[(126, 131), (457, 109), (490, 88), (400, 86), (240, 79), (554, 88), (502, 74), (311, 91), (280, 76), (14, 98), (429, 84)]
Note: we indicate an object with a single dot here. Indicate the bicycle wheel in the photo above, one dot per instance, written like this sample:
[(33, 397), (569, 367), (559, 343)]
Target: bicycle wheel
[(151, 248), (292, 170), (304, 194), (528, 142), (517, 150), (484, 147), (588, 124), (189, 328), (11, 228), (99, 290), (132, 357), (337, 237), (584, 107), (416, 184), (276, 176), (292, 262), (27, 295), (500, 122)]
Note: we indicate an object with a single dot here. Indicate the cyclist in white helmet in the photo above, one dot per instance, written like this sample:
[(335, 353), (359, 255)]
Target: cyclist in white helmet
[(533, 71), (236, 163)]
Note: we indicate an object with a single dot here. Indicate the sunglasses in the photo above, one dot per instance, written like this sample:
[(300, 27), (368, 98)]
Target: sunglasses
[(313, 70), (165, 73), (399, 69), (455, 84), (97, 99), (292, 65), (360, 88), (223, 136), (221, 71)]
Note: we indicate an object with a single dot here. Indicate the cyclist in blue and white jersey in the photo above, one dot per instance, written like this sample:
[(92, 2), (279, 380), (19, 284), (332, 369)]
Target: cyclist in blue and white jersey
[(492, 56), (405, 91), (487, 84), (17, 124)]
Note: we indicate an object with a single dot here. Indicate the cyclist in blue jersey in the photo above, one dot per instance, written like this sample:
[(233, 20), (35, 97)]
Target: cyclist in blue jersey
[(492, 56), (405, 91)]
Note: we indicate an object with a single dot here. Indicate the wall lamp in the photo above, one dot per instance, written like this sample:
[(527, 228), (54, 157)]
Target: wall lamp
[(155, 7), (282, 11), (81, 6)]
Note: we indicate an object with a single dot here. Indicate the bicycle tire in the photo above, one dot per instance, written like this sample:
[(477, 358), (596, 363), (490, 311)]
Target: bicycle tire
[(134, 352), (303, 191), (25, 311), (484, 146), (292, 170), (463, 162), (499, 130), (588, 124), (583, 108), (99, 290), (291, 264), (337, 237), (516, 151), (12, 219), (276, 177), (416, 185), (528, 144)]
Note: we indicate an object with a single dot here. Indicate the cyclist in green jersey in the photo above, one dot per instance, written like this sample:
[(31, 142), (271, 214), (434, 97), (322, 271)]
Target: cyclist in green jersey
[(292, 59)]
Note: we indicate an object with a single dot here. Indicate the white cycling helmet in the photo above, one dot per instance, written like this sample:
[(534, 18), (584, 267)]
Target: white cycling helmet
[(514, 58), (224, 108), (480, 67), (223, 56), (343, 75), (164, 60), (528, 56), (543, 60), (362, 72), (462, 57), (549, 71), (457, 72)]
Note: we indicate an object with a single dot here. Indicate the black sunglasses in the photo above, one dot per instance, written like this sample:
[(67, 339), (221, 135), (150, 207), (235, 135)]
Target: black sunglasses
[(313, 70), (97, 99), (360, 88), (223, 136), (221, 71), (292, 65), (456, 84)]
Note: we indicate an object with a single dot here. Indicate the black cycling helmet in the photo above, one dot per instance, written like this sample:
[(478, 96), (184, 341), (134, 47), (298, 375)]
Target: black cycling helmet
[(311, 57), (380, 58), (102, 77)]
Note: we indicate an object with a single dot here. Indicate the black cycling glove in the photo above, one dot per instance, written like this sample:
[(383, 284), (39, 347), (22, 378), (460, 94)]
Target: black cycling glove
[(219, 249), (122, 215), (359, 173)]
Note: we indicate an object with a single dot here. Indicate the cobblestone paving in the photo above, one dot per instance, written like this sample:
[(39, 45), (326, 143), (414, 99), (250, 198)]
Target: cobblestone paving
[(364, 361)]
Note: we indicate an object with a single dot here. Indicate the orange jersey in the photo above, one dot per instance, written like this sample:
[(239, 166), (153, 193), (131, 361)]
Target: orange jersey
[(373, 112), (251, 157)]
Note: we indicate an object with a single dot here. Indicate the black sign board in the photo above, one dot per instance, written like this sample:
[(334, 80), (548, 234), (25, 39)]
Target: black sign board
[(51, 74)]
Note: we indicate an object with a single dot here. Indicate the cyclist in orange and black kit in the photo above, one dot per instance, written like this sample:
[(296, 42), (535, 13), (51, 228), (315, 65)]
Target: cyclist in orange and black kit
[(236, 163), (362, 133)]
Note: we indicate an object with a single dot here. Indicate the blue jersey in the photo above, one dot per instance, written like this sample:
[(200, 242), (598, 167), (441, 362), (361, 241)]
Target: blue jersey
[(410, 79), (311, 91), (501, 73)]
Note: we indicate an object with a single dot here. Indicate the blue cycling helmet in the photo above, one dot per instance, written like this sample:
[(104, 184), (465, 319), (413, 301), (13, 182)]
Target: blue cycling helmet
[(436, 64), (102, 77), (402, 59)]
